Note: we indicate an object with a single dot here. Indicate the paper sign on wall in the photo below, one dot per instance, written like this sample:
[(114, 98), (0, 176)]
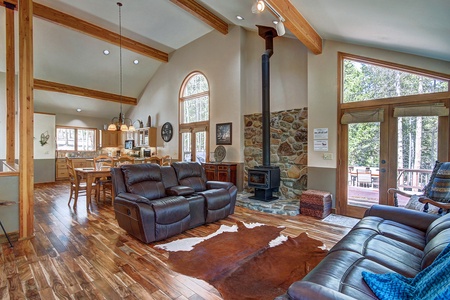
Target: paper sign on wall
[(320, 145), (320, 139), (320, 133)]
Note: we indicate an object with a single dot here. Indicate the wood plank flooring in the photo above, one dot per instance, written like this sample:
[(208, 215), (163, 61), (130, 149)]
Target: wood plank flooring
[(80, 255)]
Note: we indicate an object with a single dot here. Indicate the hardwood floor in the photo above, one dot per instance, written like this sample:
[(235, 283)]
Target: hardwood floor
[(80, 255)]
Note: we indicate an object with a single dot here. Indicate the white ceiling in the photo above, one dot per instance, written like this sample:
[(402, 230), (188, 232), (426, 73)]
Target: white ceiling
[(66, 56)]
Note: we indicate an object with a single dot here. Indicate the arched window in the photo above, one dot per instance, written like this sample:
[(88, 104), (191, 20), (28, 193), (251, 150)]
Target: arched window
[(194, 118)]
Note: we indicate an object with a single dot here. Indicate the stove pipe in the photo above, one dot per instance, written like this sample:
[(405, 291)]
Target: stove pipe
[(267, 33)]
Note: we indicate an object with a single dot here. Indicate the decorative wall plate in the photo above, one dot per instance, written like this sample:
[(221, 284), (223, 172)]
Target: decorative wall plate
[(219, 153), (166, 132)]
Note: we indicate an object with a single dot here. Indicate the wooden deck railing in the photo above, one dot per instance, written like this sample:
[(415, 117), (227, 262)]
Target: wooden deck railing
[(413, 179)]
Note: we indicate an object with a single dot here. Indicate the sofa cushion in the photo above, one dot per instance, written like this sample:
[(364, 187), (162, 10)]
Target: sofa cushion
[(180, 190), (394, 230), (431, 283), (144, 180), (190, 174), (217, 204), (395, 255), (172, 216)]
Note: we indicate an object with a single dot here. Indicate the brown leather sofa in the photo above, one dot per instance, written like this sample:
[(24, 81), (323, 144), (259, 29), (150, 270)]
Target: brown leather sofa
[(388, 239), (153, 203)]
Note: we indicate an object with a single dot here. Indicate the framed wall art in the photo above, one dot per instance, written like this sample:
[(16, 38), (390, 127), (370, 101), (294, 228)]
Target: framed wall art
[(223, 133)]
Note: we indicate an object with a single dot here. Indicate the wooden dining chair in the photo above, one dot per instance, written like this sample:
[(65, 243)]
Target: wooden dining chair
[(166, 160), (104, 183), (77, 184), (125, 160), (153, 160)]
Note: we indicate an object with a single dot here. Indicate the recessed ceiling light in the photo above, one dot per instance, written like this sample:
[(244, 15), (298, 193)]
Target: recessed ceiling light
[(106, 51), (78, 109), (275, 22), (135, 61), (240, 18)]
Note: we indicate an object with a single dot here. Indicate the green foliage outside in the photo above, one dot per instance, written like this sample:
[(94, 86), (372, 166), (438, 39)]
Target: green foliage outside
[(417, 135)]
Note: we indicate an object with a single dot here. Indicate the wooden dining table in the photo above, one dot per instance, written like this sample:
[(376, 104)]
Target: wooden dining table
[(91, 174)]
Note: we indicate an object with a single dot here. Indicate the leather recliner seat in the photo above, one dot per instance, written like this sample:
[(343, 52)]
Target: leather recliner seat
[(388, 239), (152, 203)]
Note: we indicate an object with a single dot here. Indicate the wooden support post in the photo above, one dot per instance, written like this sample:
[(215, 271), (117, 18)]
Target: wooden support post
[(26, 104), (10, 85)]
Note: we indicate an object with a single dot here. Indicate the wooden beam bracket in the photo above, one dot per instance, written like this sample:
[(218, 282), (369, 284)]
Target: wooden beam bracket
[(202, 13), (298, 25)]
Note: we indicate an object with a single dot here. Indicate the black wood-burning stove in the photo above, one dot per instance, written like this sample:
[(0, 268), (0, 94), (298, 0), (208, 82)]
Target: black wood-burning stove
[(266, 178)]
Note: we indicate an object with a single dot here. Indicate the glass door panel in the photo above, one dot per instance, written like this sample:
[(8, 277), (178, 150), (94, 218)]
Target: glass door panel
[(186, 149), (200, 146), (417, 153), (363, 188)]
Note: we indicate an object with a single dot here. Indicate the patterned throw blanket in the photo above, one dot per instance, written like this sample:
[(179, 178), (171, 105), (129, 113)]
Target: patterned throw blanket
[(432, 283)]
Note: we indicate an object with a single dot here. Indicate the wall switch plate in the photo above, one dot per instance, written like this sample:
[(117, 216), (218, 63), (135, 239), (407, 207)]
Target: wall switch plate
[(328, 156)]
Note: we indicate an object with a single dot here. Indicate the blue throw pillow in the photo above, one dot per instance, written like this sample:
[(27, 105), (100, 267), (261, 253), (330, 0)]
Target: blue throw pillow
[(432, 283)]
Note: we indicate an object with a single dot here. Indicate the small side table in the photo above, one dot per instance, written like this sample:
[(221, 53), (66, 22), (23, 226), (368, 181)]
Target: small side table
[(6, 203)]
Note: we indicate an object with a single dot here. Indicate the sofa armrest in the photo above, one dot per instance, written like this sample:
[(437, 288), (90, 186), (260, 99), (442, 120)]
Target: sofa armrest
[(180, 190), (412, 218), (305, 290), (218, 185), (132, 197)]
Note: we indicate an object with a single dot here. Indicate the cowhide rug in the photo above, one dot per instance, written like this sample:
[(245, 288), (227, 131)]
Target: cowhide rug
[(254, 262)]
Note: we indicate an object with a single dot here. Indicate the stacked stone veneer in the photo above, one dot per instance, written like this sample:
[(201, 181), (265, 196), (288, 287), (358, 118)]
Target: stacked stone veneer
[(288, 148)]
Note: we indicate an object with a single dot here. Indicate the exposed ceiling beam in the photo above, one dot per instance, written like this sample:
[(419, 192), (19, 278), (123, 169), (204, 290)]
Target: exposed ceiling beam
[(78, 91), (4, 3), (203, 14), (82, 26), (298, 25)]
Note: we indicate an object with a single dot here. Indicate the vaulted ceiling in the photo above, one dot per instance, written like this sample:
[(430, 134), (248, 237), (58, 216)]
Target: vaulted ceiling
[(69, 57)]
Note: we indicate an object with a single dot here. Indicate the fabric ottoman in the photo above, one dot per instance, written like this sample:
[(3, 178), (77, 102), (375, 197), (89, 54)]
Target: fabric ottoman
[(315, 203)]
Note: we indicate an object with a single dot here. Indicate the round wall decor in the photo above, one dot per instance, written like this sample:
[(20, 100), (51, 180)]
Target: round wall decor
[(219, 153), (166, 132)]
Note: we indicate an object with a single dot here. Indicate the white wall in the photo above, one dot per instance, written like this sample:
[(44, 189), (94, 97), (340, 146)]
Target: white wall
[(288, 74), (322, 89), (80, 121), (44, 124), (217, 56), (232, 65)]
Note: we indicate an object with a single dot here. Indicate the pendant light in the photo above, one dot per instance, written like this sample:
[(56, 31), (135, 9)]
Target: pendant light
[(119, 123)]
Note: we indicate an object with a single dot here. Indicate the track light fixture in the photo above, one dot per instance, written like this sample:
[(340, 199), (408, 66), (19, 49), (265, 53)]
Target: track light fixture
[(258, 7), (280, 28)]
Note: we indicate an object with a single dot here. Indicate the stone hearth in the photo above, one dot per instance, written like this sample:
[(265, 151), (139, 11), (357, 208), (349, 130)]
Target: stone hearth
[(281, 206), (288, 148)]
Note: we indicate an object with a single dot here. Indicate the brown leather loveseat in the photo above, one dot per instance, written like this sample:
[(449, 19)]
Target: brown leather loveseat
[(388, 239), (153, 203)]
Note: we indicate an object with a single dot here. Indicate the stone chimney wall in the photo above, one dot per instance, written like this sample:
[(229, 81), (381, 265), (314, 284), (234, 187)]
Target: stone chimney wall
[(288, 148)]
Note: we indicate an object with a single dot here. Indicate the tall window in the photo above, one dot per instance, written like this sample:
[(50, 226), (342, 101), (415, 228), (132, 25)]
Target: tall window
[(75, 139), (194, 118), (368, 81), (393, 127)]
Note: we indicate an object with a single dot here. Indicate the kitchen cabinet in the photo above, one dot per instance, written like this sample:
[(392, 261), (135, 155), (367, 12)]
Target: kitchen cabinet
[(221, 171), (108, 138), (145, 137), (61, 168)]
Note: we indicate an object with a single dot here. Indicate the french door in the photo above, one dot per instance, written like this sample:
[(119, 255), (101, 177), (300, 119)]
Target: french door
[(194, 146), (388, 146)]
